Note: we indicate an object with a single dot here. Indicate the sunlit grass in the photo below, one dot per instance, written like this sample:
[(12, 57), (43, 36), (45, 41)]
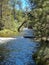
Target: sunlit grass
[(8, 33)]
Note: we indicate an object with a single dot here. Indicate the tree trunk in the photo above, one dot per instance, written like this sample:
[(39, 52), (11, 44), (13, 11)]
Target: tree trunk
[(21, 26), (0, 14)]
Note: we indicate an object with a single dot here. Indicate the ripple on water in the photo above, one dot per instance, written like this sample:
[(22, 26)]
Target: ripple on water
[(20, 52)]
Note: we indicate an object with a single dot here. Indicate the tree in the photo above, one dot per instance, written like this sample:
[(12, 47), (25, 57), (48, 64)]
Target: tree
[(40, 14), (1, 23), (6, 18)]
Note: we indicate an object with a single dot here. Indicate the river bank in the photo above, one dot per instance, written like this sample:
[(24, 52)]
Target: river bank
[(42, 55), (4, 39), (8, 33)]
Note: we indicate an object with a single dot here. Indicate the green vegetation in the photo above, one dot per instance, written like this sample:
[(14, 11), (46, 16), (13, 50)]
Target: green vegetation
[(42, 55), (39, 16), (8, 33), (10, 18), (36, 16)]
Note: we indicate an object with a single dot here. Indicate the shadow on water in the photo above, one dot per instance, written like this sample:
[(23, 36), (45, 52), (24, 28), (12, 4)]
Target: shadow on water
[(18, 52)]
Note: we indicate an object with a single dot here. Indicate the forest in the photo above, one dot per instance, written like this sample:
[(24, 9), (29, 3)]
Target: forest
[(35, 14)]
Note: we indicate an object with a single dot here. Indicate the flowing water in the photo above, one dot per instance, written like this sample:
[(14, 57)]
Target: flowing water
[(18, 52)]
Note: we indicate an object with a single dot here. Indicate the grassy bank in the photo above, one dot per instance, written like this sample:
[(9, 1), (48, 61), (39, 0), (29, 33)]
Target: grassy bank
[(8, 33)]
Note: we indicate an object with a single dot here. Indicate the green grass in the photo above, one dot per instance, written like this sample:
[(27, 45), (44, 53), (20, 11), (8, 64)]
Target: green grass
[(8, 33)]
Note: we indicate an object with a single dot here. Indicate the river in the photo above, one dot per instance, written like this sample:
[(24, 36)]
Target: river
[(18, 52)]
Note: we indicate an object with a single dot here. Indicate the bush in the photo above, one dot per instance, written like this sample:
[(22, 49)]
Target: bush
[(8, 33)]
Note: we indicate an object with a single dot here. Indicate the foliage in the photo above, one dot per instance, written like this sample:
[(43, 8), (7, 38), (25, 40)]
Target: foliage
[(8, 33), (39, 15), (9, 18)]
